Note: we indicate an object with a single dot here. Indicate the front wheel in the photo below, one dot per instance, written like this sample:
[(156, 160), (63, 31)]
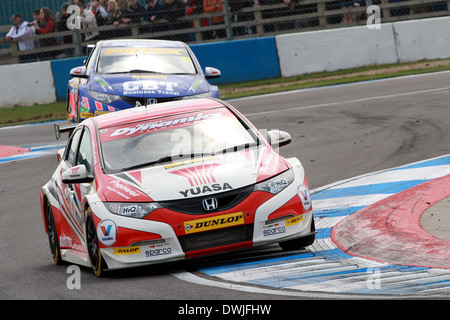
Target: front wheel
[(95, 256)]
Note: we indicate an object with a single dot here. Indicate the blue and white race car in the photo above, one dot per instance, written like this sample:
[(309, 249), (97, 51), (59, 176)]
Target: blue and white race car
[(122, 74)]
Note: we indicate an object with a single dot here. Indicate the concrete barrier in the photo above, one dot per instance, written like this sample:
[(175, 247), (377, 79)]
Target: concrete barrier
[(331, 50), (26, 84), (423, 39)]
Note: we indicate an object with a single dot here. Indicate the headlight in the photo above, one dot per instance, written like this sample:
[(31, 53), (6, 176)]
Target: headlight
[(132, 210), (276, 184), (104, 97)]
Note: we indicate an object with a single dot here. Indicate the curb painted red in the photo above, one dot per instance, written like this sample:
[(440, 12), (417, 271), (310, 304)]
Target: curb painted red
[(7, 151), (390, 231)]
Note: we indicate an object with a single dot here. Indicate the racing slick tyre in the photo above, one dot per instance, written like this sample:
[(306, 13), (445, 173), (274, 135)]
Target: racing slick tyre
[(300, 243), (53, 236), (95, 256)]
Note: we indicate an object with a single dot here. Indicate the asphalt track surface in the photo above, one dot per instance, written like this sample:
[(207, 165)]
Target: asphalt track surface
[(338, 133)]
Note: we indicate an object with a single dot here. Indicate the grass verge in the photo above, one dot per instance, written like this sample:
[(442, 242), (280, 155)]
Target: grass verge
[(57, 111)]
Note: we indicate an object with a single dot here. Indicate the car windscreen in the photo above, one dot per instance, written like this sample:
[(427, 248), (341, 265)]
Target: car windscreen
[(171, 60), (174, 138)]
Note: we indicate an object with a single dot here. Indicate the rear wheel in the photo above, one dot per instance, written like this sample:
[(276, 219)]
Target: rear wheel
[(52, 234), (95, 256), (300, 243)]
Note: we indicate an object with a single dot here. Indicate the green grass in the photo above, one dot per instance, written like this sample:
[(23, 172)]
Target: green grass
[(32, 114), (57, 111)]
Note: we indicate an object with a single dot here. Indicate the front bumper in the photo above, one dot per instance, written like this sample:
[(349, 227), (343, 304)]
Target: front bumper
[(142, 242)]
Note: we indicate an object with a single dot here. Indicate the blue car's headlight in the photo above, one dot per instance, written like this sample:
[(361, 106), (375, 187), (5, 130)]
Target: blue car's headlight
[(276, 184), (104, 97)]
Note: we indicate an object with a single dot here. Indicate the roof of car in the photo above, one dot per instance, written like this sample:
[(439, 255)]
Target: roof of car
[(156, 111)]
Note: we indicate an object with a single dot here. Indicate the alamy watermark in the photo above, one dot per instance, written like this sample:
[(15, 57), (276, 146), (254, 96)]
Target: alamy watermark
[(74, 280), (373, 281), (74, 21), (373, 17)]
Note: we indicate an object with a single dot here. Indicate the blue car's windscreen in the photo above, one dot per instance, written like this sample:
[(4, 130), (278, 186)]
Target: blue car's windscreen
[(115, 60)]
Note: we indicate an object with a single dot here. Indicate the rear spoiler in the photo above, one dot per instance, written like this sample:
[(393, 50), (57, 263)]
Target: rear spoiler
[(58, 130)]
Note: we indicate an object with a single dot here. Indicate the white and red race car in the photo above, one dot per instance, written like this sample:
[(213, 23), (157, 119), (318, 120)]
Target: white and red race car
[(173, 181)]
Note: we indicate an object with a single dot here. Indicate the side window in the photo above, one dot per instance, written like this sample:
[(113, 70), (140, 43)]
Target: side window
[(72, 147), (90, 60), (85, 152)]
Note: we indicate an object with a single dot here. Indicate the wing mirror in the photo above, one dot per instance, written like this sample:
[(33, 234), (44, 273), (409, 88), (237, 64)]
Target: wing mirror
[(278, 138), (79, 72), (77, 174), (211, 73)]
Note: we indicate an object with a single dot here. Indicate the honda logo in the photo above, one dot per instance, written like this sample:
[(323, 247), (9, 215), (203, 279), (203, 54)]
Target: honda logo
[(210, 204)]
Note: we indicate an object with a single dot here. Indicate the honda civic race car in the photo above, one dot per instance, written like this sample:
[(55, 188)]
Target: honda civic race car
[(118, 74), (172, 181)]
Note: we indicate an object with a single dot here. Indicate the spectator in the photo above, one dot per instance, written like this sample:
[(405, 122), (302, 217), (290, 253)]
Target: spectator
[(121, 8), (211, 6), (21, 29), (61, 26), (88, 21), (45, 26), (111, 11), (135, 12), (152, 11), (172, 10), (111, 20), (98, 11), (152, 15)]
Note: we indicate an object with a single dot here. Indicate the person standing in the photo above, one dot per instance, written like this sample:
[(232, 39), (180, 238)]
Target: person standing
[(88, 21), (21, 29)]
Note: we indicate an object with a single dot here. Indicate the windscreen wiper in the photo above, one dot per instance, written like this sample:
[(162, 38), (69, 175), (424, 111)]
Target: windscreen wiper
[(166, 158), (237, 148)]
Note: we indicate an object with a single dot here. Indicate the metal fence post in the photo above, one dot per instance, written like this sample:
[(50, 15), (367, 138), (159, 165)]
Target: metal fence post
[(229, 29)]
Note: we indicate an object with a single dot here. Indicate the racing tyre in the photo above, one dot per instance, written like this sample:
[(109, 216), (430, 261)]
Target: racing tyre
[(95, 256), (300, 243), (53, 236)]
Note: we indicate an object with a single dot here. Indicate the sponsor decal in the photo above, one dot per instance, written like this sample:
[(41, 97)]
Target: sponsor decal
[(201, 178), (129, 250), (122, 190), (281, 226), (158, 251), (294, 220), (273, 229), (150, 87), (206, 189), (146, 127), (134, 51), (212, 223), (107, 232), (305, 197), (65, 242)]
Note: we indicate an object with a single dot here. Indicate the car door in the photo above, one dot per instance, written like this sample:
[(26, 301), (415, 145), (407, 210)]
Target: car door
[(79, 152)]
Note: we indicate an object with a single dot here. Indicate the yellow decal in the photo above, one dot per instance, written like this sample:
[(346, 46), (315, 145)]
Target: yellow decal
[(129, 250), (190, 161), (212, 223), (295, 220), (132, 51)]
